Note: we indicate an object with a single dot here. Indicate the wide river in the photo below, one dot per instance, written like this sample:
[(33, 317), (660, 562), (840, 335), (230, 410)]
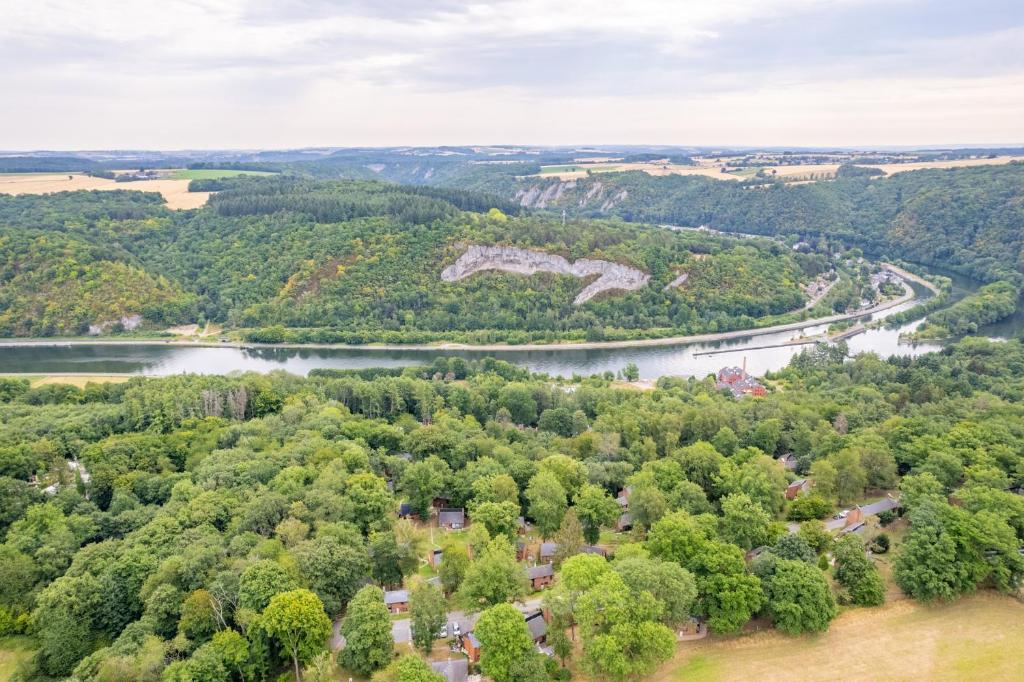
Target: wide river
[(761, 353)]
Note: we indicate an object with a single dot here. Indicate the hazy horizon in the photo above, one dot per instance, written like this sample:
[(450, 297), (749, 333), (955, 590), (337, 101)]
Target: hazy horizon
[(254, 74)]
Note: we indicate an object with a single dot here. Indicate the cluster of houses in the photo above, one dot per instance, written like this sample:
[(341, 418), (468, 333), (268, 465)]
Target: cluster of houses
[(738, 382)]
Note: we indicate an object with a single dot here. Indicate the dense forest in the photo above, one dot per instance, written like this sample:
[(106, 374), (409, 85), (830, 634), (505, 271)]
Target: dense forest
[(353, 261), (210, 528), (967, 219)]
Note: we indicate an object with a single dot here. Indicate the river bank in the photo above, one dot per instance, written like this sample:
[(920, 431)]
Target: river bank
[(712, 337)]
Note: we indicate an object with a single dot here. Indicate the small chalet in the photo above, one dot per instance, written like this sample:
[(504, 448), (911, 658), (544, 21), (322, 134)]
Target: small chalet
[(434, 558), (520, 550), (788, 461), (452, 518), (471, 645), (800, 486), (405, 510), (522, 527), (397, 601), (547, 551), (454, 669), (541, 576), (594, 549), (624, 523), (537, 626)]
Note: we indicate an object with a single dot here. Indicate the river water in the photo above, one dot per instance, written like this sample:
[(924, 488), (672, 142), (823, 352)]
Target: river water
[(761, 353)]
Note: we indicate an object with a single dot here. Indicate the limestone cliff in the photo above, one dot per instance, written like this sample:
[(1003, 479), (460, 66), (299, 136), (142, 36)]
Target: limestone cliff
[(611, 276)]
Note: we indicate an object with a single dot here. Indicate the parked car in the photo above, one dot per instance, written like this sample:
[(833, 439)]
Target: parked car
[(444, 631), (456, 629)]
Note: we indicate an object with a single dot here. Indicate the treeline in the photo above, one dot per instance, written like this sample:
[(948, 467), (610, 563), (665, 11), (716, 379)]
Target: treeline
[(192, 526), (292, 259), (989, 304), (965, 219)]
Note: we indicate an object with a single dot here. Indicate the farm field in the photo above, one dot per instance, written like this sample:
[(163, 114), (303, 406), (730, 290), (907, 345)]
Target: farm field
[(175, 192), (977, 637), (713, 169), (212, 173)]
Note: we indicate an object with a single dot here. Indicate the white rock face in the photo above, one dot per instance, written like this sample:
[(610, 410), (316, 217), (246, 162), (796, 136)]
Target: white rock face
[(678, 281), (526, 262)]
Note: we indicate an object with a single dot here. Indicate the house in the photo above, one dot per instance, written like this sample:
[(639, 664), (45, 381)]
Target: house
[(594, 549), (800, 486), (471, 645), (624, 523), (738, 382), (547, 551), (623, 498), (788, 461), (434, 558), (541, 576), (537, 626), (888, 503), (452, 518), (397, 601), (454, 669)]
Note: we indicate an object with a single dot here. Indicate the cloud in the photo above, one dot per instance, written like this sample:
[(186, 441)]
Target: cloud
[(217, 73)]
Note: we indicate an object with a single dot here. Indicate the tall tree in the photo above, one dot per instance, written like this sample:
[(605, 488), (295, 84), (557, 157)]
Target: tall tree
[(297, 620), (428, 611), (367, 631), (547, 500), (504, 640), (569, 537), (857, 574), (493, 578), (595, 508)]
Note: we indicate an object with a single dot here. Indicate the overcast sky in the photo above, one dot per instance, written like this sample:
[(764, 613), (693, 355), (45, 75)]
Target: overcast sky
[(175, 74)]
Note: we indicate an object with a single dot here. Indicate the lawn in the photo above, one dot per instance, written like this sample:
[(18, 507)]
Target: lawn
[(979, 637), (211, 173), (13, 650)]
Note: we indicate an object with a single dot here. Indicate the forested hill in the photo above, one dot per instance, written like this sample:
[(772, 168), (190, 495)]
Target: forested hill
[(965, 218), (361, 261)]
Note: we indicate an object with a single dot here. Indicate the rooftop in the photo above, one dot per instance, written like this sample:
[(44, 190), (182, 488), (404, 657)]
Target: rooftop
[(396, 597), (542, 571), (454, 669)]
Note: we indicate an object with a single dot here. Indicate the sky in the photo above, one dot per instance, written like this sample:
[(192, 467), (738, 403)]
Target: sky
[(246, 74)]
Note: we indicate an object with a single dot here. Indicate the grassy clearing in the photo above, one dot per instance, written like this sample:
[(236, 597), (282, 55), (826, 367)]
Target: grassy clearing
[(212, 173), (979, 637), (13, 650), (79, 380)]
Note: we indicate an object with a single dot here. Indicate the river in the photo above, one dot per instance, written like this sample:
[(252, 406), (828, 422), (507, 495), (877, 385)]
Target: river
[(761, 353)]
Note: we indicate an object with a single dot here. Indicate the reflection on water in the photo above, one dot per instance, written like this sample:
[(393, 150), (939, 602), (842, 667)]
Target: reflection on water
[(685, 360), (653, 362)]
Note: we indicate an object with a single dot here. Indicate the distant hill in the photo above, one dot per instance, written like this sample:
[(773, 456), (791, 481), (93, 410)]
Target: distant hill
[(968, 219), (361, 261)]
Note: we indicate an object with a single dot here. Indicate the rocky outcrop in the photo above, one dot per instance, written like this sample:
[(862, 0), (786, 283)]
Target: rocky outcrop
[(127, 323), (611, 276), (678, 281)]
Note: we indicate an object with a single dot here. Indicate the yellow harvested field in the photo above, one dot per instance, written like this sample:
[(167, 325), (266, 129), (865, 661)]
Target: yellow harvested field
[(175, 192), (798, 173), (978, 637), (80, 380)]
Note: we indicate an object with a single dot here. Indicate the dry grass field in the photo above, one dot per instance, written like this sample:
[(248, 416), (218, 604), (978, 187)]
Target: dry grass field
[(796, 173), (979, 637), (175, 192), (79, 380)]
